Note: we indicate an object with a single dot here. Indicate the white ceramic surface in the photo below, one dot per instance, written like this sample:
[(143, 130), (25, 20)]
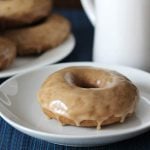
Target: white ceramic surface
[(24, 64), (122, 31), (20, 108)]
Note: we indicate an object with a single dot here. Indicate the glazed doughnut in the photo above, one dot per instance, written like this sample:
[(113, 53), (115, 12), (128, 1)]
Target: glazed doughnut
[(7, 53), (88, 96), (14, 13), (41, 37)]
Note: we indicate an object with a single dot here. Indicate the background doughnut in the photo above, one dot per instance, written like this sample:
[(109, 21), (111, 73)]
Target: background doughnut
[(41, 37), (14, 13), (7, 53)]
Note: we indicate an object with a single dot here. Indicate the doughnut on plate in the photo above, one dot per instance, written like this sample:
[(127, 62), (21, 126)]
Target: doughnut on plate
[(24, 64), (19, 107), (38, 38)]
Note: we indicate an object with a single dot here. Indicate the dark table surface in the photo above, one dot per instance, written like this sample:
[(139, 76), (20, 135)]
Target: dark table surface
[(11, 139)]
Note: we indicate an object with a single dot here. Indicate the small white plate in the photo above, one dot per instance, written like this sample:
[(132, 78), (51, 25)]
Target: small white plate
[(24, 64), (20, 108)]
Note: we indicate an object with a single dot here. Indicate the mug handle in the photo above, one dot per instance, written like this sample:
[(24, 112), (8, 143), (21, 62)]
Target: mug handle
[(88, 6)]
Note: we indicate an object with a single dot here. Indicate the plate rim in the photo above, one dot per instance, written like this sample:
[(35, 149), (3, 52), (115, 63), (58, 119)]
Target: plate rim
[(12, 73), (62, 136)]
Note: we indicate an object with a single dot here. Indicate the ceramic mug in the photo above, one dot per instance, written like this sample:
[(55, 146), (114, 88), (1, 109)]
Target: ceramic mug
[(122, 31)]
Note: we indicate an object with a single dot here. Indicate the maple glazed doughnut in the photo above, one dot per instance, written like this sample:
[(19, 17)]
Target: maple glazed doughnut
[(88, 96), (14, 13)]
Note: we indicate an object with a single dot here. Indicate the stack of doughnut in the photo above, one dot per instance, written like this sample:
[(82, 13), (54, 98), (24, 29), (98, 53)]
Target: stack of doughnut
[(88, 96), (28, 27)]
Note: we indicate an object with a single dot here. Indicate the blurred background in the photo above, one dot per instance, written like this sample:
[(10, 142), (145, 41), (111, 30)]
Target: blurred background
[(70, 4)]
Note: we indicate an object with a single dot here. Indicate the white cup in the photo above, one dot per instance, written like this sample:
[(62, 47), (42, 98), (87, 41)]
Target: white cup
[(122, 31)]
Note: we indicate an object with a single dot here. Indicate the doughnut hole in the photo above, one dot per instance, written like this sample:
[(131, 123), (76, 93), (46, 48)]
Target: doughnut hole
[(83, 82), (89, 79)]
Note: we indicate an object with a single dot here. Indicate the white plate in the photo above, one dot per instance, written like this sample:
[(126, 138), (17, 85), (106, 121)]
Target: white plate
[(24, 64), (19, 107)]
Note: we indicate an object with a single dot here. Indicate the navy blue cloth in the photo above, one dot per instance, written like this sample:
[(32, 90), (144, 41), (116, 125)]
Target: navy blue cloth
[(11, 139)]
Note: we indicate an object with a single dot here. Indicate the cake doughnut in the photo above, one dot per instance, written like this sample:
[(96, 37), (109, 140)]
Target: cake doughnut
[(41, 37), (14, 13), (88, 96), (7, 53)]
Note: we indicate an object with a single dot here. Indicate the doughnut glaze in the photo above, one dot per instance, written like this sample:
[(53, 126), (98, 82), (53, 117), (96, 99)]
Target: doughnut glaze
[(88, 96)]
